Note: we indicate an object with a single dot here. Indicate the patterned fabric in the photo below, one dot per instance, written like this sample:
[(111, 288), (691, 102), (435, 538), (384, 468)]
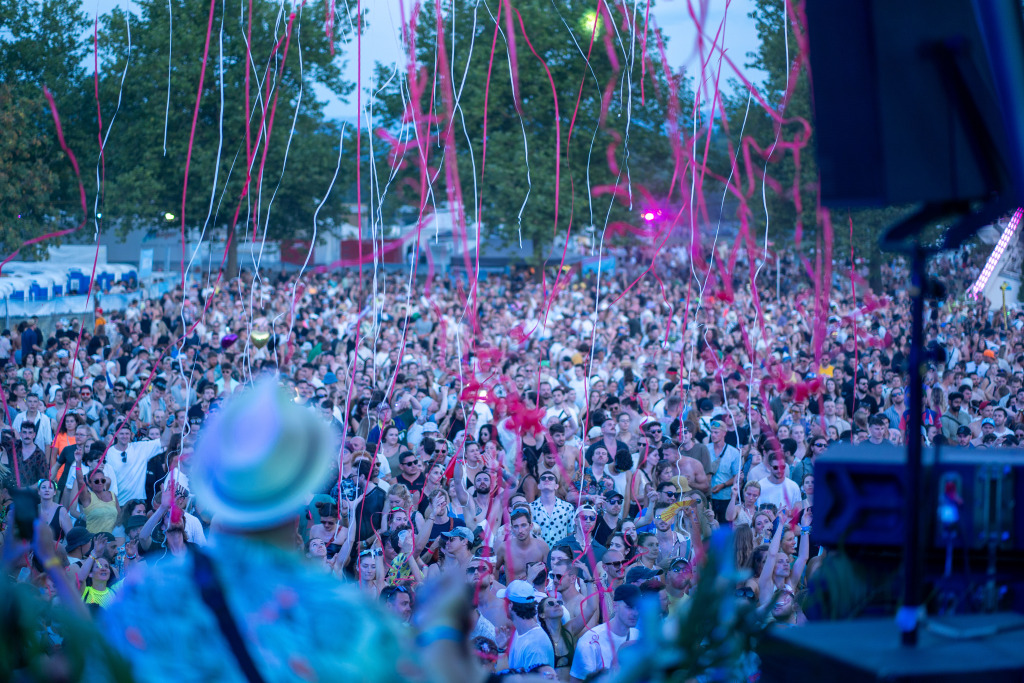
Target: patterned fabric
[(298, 623), (556, 525), (399, 572)]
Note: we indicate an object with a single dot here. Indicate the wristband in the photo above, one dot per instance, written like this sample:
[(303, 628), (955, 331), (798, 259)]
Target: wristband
[(52, 563), (805, 529), (437, 634)]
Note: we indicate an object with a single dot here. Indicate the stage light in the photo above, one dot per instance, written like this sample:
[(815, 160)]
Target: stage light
[(649, 216), (168, 216), (974, 291)]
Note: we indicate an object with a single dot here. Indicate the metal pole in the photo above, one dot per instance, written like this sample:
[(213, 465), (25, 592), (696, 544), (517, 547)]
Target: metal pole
[(908, 616)]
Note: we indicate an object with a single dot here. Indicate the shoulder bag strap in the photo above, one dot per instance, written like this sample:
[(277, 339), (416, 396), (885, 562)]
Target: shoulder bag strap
[(213, 596)]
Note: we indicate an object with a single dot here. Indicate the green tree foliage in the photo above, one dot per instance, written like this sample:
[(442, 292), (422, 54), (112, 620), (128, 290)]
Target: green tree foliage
[(26, 181), (41, 44), (537, 131), (786, 89), (145, 173)]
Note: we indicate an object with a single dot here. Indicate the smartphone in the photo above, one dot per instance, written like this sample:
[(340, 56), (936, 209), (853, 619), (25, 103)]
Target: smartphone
[(26, 510)]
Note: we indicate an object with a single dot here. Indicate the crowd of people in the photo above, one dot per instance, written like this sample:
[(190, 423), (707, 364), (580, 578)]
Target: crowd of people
[(566, 447)]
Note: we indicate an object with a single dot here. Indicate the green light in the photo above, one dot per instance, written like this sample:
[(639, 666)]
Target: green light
[(587, 21)]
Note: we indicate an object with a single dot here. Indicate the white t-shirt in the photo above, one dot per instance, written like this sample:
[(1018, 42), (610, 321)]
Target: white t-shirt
[(531, 649), (44, 433), (597, 650), (129, 472), (784, 495)]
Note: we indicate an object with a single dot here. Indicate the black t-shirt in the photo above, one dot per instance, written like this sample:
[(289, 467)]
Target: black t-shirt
[(414, 486), (66, 457), (602, 532), (369, 513)]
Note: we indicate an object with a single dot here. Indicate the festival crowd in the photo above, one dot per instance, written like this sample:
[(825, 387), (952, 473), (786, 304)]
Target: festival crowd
[(566, 445)]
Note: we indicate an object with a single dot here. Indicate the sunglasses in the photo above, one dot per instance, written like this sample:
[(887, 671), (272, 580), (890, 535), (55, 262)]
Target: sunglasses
[(408, 463), (588, 518), (548, 478), (613, 564), (100, 480), (475, 570), (615, 501), (671, 495), (821, 444)]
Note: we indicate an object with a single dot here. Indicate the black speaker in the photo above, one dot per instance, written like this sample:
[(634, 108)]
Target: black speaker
[(975, 494), (907, 101)]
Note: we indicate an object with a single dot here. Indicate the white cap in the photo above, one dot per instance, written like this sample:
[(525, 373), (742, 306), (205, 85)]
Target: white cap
[(520, 591)]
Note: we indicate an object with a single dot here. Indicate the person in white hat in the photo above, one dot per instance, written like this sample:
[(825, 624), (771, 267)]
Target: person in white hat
[(251, 609), (531, 645)]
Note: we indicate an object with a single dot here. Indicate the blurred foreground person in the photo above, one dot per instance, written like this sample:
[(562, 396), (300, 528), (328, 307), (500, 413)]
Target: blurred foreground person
[(250, 609)]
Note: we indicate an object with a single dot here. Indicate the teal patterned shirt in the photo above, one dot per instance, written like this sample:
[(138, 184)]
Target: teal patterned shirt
[(299, 623)]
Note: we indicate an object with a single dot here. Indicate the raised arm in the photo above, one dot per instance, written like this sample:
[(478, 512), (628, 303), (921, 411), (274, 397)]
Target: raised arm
[(734, 502), (804, 552), (765, 584)]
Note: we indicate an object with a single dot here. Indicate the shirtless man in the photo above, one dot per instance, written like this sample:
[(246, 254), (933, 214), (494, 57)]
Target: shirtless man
[(521, 548), (689, 468), (570, 579), (491, 619)]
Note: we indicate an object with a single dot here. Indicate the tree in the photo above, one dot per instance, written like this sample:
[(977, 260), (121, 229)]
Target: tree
[(533, 130), (26, 181), (786, 89), (276, 186), (40, 45)]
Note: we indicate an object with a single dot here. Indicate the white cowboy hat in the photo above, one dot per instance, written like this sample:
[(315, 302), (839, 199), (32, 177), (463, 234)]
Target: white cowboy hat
[(260, 458)]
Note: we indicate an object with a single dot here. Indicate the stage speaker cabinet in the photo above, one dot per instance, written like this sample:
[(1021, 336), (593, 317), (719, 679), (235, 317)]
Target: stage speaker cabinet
[(975, 493), (892, 81)]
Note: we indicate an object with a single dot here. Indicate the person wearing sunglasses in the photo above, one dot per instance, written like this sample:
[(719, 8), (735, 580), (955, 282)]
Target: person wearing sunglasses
[(126, 462), (398, 599), (98, 504), (613, 564), (582, 540), (805, 466)]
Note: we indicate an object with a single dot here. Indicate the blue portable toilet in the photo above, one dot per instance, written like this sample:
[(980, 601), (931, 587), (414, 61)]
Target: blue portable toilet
[(78, 281), (19, 289), (104, 279)]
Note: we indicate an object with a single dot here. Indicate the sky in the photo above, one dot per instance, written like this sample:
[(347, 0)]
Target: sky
[(381, 38)]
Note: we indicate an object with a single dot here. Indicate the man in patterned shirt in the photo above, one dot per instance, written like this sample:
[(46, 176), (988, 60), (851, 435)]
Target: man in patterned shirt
[(254, 468), (553, 515)]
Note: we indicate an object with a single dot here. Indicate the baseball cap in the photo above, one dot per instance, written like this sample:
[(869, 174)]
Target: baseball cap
[(612, 493), (459, 532), (964, 430), (640, 574), (520, 591), (430, 427), (627, 593), (988, 421)]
